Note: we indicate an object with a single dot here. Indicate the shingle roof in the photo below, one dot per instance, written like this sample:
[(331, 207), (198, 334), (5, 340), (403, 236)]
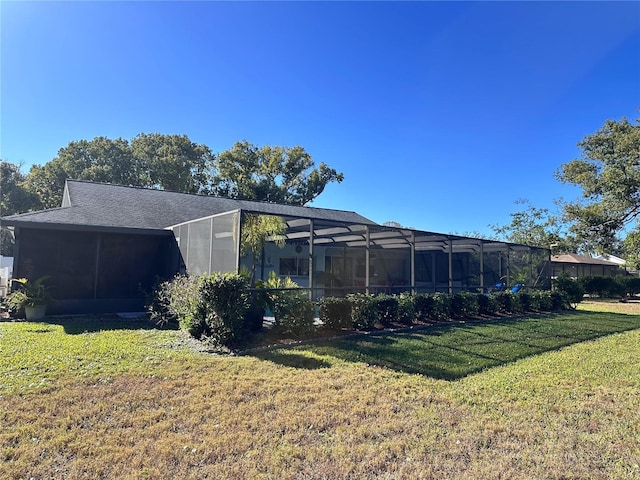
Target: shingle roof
[(115, 206), (580, 259)]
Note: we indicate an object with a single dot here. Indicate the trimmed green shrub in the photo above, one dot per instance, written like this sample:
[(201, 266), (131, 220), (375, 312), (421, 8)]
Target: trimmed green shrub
[(504, 301), (363, 310), (604, 287), (423, 305), (630, 285), (516, 304), (222, 302), (457, 305), (541, 300), (294, 314), (441, 306), (464, 305), (523, 301), (406, 311), (487, 305), (572, 290), (386, 307), (335, 313), (293, 311)]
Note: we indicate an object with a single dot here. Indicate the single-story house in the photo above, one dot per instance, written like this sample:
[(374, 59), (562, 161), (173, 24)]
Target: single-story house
[(577, 266), (106, 246), (621, 262)]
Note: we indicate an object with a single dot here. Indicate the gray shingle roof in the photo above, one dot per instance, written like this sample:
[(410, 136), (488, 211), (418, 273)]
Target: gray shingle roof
[(115, 206)]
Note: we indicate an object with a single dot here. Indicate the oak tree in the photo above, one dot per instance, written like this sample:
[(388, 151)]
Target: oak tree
[(608, 172), (273, 174)]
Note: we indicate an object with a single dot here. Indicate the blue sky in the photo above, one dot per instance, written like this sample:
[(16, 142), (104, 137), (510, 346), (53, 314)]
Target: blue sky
[(440, 114)]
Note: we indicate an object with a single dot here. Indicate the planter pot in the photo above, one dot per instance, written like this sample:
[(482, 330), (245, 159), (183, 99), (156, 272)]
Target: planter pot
[(35, 313)]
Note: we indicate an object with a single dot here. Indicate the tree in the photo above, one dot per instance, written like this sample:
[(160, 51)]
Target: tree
[(173, 162), (608, 173), (99, 160), (274, 174), (631, 249), (536, 227), (14, 198), (169, 162)]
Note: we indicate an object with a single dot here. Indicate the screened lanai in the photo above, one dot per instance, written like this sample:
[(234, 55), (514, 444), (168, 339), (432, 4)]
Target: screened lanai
[(333, 258)]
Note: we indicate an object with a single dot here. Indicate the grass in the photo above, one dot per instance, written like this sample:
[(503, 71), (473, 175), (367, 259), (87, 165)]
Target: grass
[(542, 397)]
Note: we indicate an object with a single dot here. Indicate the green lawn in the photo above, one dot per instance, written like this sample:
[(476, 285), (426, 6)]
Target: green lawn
[(542, 397)]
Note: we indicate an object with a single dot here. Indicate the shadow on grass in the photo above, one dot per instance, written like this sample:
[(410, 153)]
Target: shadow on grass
[(291, 358), (75, 325), (450, 352)]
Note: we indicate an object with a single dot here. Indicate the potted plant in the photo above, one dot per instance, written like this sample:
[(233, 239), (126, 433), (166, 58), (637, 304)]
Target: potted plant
[(32, 296)]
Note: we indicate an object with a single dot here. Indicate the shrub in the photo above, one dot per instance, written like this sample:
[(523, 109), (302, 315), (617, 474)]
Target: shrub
[(254, 316), (604, 287), (335, 313), (363, 310), (516, 305), (208, 307), (633, 285), (406, 311), (386, 308), (522, 301), (457, 305), (487, 305), (441, 306), (504, 301), (541, 300), (464, 304), (423, 305), (223, 301), (294, 313), (176, 301), (558, 301), (629, 285), (292, 309), (572, 290)]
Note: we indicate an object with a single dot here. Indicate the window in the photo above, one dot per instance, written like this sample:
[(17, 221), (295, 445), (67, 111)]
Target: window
[(293, 266)]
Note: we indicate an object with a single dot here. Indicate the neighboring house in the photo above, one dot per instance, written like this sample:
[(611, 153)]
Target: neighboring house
[(577, 266), (621, 262), (107, 245)]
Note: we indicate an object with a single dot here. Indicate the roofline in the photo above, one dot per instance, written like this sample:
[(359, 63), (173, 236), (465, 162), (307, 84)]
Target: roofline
[(18, 216), (303, 217), (262, 202), (89, 228)]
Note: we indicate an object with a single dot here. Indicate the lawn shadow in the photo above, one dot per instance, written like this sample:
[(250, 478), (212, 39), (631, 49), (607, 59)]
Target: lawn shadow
[(291, 358), (78, 324), (453, 351)]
